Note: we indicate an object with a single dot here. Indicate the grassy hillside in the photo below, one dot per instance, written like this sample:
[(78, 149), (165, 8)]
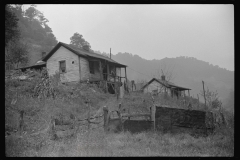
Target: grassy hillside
[(36, 137)]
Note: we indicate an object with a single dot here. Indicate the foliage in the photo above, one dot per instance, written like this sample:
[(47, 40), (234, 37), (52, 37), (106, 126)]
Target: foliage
[(17, 52), (33, 27), (230, 101), (103, 53), (212, 99), (11, 25), (78, 41)]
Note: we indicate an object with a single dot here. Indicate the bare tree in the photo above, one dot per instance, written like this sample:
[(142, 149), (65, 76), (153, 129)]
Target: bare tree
[(166, 71), (212, 99)]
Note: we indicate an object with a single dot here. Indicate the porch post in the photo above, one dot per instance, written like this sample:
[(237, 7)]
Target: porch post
[(126, 74), (126, 79), (107, 71), (101, 71)]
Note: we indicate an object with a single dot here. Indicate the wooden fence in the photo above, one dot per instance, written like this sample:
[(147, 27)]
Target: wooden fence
[(160, 119), (166, 118)]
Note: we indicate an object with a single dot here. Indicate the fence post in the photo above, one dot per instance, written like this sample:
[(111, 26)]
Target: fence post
[(89, 114), (21, 122), (105, 114), (120, 116), (198, 100), (204, 95), (153, 112)]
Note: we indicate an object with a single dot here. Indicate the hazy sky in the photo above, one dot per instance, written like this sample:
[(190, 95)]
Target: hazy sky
[(205, 32)]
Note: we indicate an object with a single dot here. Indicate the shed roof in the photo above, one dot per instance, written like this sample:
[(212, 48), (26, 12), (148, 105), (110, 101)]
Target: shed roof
[(81, 52), (36, 65), (166, 84)]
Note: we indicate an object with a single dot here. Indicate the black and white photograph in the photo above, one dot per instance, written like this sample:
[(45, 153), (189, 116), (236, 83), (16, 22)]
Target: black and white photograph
[(119, 80)]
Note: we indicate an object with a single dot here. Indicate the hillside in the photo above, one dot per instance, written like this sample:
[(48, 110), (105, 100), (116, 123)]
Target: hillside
[(186, 71), (38, 124)]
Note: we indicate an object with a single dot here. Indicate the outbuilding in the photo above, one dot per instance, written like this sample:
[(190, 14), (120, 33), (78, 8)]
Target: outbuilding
[(157, 86)]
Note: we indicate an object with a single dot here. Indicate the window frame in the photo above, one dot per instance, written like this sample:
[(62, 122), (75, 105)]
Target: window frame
[(60, 69)]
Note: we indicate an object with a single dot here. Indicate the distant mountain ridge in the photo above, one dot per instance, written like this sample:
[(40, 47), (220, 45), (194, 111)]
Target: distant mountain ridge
[(186, 71)]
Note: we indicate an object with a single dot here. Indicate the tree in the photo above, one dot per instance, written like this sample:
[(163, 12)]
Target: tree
[(166, 71), (33, 14), (215, 106), (17, 52), (212, 99), (78, 41), (11, 25)]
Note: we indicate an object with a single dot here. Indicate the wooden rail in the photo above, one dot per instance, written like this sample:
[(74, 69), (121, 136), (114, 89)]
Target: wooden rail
[(137, 115), (107, 118)]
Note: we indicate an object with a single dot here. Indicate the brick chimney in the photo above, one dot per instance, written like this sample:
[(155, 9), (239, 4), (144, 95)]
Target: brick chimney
[(163, 77), (86, 47), (43, 54)]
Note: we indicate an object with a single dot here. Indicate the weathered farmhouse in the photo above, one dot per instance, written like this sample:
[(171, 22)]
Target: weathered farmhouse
[(81, 64), (162, 86)]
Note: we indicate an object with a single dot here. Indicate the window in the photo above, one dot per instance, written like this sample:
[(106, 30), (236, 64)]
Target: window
[(62, 66), (91, 67)]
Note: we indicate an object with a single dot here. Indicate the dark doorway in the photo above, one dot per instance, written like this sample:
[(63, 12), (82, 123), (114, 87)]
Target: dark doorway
[(111, 88)]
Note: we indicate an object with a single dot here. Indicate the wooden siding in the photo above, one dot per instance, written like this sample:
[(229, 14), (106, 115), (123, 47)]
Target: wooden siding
[(72, 70), (84, 65)]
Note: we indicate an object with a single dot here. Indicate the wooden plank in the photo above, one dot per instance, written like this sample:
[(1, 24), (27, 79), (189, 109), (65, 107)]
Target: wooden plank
[(105, 112), (153, 113), (80, 77), (136, 115), (180, 117)]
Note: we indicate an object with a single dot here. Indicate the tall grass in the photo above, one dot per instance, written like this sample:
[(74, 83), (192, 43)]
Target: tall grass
[(96, 143)]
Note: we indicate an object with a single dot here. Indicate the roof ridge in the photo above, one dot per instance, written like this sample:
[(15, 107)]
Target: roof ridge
[(92, 51)]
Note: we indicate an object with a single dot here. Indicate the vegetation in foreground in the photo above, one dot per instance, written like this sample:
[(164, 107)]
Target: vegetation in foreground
[(36, 140)]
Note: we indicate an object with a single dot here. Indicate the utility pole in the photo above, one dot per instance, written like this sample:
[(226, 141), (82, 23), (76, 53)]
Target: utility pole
[(204, 93)]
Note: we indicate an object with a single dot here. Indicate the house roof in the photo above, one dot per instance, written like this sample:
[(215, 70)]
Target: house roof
[(36, 65), (80, 52), (166, 84)]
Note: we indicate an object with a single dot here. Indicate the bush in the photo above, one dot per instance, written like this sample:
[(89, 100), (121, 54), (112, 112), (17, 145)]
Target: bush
[(12, 83)]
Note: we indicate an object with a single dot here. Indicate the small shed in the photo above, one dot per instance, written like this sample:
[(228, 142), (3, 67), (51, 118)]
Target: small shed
[(157, 86)]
